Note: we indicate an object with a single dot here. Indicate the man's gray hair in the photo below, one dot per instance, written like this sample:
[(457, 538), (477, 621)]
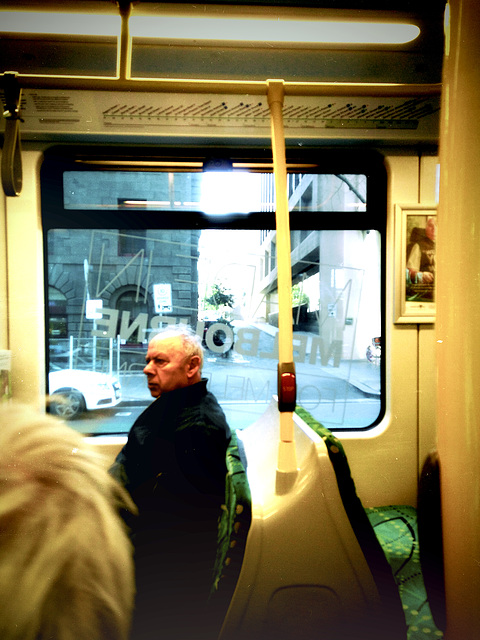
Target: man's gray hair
[(66, 562), (192, 343)]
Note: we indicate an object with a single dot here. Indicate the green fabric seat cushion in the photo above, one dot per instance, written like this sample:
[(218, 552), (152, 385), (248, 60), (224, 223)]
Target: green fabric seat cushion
[(234, 522)]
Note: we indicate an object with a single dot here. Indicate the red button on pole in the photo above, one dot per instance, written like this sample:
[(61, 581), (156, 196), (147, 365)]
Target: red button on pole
[(287, 387)]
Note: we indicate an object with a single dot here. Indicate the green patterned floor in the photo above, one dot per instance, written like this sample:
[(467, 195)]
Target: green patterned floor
[(396, 529)]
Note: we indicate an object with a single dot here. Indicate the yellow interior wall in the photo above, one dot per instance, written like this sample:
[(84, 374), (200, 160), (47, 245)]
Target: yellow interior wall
[(385, 463), (3, 275), (26, 323)]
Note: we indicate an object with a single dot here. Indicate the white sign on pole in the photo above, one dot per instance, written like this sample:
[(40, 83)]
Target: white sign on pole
[(162, 297), (93, 309)]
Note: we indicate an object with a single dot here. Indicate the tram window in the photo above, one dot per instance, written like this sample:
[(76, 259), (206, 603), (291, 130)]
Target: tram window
[(201, 250), (211, 192)]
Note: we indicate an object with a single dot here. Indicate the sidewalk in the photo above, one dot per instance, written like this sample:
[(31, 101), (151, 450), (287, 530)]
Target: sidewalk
[(362, 374)]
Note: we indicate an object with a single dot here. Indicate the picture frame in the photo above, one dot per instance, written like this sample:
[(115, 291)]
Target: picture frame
[(415, 256)]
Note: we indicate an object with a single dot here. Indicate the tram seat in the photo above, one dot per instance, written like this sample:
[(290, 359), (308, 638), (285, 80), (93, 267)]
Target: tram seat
[(360, 523), (304, 574), (233, 528), (430, 537)]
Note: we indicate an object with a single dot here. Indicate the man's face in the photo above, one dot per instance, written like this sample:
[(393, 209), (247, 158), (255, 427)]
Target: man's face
[(431, 229), (167, 366)]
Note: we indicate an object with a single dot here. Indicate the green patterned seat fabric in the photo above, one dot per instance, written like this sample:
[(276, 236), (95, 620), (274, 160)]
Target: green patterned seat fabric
[(233, 527), (396, 529)]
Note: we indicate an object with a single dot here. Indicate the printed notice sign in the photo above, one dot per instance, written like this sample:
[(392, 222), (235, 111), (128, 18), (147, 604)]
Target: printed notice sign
[(162, 296)]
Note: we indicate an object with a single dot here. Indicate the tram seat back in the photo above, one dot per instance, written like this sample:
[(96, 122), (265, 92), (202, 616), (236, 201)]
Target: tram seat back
[(362, 527), (430, 537), (233, 528), (304, 573)]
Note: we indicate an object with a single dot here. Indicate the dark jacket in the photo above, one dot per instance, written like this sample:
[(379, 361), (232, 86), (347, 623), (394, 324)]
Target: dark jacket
[(176, 448), (173, 465)]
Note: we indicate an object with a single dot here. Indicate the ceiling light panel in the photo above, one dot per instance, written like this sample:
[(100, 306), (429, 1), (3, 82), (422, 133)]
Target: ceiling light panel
[(284, 31), (192, 29), (60, 24)]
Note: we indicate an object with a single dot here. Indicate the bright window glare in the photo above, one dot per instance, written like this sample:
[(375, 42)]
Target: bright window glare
[(227, 192), (59, 23), (267, 30), (223, 29)]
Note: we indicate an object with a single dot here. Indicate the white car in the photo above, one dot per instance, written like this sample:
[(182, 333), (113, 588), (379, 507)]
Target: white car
[(73, 391)]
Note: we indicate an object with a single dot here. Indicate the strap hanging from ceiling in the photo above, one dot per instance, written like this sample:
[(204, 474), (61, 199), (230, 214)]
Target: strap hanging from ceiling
[(11, 152)]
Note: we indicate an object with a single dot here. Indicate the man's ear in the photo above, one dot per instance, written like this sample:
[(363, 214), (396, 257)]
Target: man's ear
[(193, 366)]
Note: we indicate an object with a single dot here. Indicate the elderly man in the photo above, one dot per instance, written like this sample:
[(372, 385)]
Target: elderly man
[(173, 465)]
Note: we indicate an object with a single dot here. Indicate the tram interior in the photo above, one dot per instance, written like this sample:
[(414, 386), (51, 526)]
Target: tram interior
[(270, 510)]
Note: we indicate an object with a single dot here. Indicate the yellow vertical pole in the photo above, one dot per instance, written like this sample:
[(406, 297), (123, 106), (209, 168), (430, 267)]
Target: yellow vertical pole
[(124, 45), (287, 460), (457, 322)]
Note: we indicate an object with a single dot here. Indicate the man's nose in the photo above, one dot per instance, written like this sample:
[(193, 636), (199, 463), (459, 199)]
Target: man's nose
[(146, 369)]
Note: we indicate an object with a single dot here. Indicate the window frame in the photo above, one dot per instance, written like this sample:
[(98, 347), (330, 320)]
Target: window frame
[(315, 160)]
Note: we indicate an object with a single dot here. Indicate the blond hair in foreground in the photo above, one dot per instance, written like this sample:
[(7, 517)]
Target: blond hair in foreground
[(66, 569)]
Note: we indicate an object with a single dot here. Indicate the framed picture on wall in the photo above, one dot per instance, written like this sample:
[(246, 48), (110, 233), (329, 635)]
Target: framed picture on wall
[(5, 381), (415, 257)]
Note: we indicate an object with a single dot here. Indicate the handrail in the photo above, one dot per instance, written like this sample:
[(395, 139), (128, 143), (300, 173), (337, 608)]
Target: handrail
[(124, 81), (287, 458), (11, 157), (196, 85), (124, 46)]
